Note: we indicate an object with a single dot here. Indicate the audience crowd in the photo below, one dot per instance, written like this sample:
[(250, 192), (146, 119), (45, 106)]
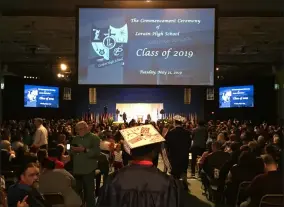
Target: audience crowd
[(42, 159)]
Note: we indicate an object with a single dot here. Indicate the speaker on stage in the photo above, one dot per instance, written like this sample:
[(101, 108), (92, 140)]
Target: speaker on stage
[(187, 95), (92, 96)]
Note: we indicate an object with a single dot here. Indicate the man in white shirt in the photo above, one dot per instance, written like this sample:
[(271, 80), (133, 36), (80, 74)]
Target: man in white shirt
[(41, 135)]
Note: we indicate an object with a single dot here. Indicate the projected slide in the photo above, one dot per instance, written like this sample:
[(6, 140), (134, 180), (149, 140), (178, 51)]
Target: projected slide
[(237, 96), (41, 96), (146, 46)]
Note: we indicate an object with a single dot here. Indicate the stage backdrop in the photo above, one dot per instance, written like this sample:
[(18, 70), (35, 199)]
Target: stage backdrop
[(140, 110), (171, 98)]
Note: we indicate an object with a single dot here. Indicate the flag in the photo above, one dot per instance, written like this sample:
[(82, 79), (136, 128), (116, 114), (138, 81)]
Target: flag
[(97, 118)]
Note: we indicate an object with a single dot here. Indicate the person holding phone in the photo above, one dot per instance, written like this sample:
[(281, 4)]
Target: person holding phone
[(85, 151)]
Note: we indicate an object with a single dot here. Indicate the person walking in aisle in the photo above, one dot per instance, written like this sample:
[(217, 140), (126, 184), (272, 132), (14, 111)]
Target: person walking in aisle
[(178, 142), (199, 139)]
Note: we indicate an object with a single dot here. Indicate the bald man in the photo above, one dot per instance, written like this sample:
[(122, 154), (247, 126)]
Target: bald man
[(85, 150)]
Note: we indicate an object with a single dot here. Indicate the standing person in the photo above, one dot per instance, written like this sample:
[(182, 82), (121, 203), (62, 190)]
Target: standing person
[(124, 117), (85, 151), (178, 142), (199, 138), (118, 162), (140, 183), (41, 135)]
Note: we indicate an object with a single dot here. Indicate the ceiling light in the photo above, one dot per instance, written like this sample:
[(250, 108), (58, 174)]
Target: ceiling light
[(59, 75), (63, 67)]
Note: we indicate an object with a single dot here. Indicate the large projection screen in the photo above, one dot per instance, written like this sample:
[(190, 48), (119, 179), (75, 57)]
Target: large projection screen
[(146, 46)]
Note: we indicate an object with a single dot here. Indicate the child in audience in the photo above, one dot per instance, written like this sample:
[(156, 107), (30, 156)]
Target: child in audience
[(118, 163)]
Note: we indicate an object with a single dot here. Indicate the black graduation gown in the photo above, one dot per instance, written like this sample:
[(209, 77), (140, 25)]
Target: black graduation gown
[(178, 143), (141, 186)]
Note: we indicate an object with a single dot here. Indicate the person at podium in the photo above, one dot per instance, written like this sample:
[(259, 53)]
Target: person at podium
[(124, 117), (149, 118)]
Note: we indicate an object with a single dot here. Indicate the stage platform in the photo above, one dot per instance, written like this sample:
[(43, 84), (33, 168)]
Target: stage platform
[(139, 111)]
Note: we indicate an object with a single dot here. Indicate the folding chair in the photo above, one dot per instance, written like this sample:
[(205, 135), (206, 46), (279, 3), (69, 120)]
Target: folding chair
[(241, 189), (54, 198), (272, 200)]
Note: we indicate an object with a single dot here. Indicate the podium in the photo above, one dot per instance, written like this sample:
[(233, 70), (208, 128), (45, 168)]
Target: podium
[(140, 118)]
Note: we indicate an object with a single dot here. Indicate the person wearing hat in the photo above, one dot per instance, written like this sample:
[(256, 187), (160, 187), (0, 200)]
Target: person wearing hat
[(140, 183), (178, 142)]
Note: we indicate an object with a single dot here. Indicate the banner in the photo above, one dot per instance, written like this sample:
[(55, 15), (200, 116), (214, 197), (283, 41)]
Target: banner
[(187, 95), (92, 96), (210, 94), (67, 92)]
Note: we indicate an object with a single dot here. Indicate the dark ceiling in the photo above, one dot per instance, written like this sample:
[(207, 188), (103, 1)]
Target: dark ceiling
[(35, 37)]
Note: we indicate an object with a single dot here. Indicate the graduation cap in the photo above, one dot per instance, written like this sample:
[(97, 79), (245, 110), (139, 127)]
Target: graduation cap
[(179, 118), (140, 136)]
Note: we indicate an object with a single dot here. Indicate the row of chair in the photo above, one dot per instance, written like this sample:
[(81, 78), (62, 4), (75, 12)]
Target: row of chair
[(269, 200)]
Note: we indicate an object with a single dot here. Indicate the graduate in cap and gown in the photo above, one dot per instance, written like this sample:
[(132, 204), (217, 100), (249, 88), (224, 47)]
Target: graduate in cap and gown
[(140, 184), (178, 143)]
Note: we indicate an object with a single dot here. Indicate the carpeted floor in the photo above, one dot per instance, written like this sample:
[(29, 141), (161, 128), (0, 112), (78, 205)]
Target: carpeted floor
[(195, 189)]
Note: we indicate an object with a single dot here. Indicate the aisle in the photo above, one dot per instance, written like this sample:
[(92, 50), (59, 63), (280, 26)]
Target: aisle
[(194, 185)]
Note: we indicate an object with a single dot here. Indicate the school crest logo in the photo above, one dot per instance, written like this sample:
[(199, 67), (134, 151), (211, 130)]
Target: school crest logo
[(108, 43)]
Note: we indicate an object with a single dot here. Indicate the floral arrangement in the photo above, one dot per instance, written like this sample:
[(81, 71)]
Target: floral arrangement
[(110, 121)]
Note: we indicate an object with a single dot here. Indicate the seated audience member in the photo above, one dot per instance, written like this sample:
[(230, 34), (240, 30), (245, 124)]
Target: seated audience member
[(23, 157), (53, 180), (215, 160), (261, 144), (253, 146), (42, 155), (205, 154), (245, 170), (271, 182), (27, 138), (7, 155), (274, 152), (221, 138), (276, 141), (235, 152), (54, 155), (62, 139), (62, 155), (232, 138), (17, 141), (25, 188)]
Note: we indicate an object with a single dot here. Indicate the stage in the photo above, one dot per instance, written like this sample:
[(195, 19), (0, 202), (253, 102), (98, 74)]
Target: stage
[(139, 110)]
